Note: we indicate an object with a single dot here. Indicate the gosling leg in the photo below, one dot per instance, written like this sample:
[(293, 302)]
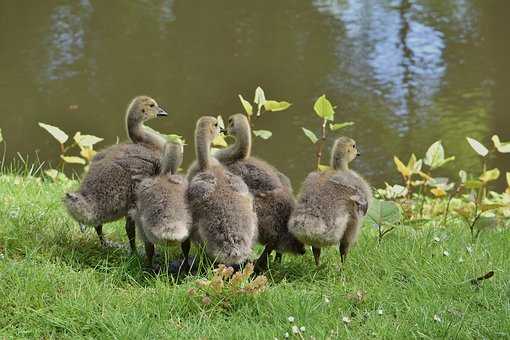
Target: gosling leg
[(104, 242), (131, 234), (278, 258), (261, 263), (185, 248), (344, 249), (317, 255)]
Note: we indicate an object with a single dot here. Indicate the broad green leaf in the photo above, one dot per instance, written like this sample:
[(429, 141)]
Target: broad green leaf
[(434, 157), (338, 126), (273, 105), (381, 212), (473, 184), (411, 164), (58, 134), (394, 191), (434, 154), (323, 108), (86, 141), (87, 153), (404, 170), (492, 206), (486, 222), (221, 124), (264, 134), (501, 147), (246, 105), (310, 135), (259, 99), (220, 141), (490, 175), (478, 147), (324, 167), (1, 137), (73, 159)]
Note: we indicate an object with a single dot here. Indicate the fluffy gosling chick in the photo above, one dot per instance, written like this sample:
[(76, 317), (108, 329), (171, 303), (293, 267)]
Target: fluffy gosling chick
[(220, 202), (161, 213), (332, 203), (106, 191), (272, 191)]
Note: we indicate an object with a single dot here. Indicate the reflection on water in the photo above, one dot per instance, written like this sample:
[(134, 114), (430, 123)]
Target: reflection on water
[(408, 72), (67, 39)]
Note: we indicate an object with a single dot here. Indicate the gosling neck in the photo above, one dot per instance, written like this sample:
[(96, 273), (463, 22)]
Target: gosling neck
[(202, 150), (138, 133), (241, 149), (170, 164), (339, 163)]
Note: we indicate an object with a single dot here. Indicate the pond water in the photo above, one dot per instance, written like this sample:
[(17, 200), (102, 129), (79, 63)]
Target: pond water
[(406, 72)]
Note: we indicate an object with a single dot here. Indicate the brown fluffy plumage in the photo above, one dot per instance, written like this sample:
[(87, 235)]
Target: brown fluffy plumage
[(221, 204), (161, 213), (106, 191), (332, 203), (272, 191)]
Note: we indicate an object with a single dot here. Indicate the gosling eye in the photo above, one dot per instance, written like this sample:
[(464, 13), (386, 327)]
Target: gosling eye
[(215, 124), (354, 146), (152, 105)]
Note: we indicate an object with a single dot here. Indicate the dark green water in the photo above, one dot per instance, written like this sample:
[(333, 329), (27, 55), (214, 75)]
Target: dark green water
[(406, 72)]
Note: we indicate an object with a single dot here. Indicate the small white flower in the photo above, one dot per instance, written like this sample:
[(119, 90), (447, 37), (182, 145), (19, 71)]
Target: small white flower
[(437, 318), (326, 300), (302, 328), (437, 239), (380, 311), (346, 319), (461, 259), (469, 249), (286, 335), (290, 318), (446, 253), (295, 329)]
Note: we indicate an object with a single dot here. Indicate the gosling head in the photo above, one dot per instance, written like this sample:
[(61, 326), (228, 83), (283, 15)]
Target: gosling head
[(344, 151), (143, 108), (237, 125), (207, 129), (172, 157)]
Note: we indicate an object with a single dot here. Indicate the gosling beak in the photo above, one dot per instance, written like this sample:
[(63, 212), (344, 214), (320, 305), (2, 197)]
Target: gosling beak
[(161, 113), (223, 130), (358, 154)]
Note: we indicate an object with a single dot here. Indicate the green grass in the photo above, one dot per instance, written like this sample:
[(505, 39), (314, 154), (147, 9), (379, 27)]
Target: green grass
[(57, 282)]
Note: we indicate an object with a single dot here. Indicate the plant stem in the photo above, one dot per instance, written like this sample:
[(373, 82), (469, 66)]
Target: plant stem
[(320, 143)]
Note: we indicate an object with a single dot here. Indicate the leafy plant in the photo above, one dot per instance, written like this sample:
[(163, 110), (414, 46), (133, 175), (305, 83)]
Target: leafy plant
[(84, 142), (263, 105), (326, 112), (385, 216), (226, 285)]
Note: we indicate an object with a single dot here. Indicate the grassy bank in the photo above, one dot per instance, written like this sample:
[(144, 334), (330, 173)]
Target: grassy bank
[(57, 282)]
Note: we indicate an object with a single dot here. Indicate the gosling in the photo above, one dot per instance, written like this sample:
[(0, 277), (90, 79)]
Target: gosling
[(161, 213), (106, 191), (221, 204), (332, 203), (271, 189)]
